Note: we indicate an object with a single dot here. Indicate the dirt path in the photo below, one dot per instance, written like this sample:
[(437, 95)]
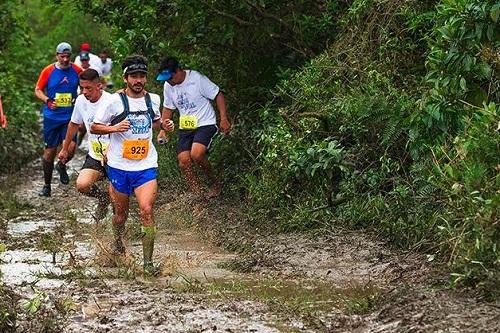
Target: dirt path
[(58, 265)]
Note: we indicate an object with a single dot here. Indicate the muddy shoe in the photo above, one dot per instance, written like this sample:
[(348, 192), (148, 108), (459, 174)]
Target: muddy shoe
[(45, 192), (63, 174), (214, 191), (118, 248), (151, 269)]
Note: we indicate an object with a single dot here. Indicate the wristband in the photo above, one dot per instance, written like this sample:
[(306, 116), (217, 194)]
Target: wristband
[(50, 102)]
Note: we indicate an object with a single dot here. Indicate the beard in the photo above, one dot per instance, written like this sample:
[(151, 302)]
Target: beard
[(137, 88)]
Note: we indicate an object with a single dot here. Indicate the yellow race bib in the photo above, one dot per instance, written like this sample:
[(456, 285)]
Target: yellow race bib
[(63, 99), (188, 122), (99, 148), (135, 149)]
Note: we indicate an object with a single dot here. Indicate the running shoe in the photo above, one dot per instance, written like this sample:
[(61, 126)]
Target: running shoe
[(118, 247), (45, 192), (151, 269), (63, 174)]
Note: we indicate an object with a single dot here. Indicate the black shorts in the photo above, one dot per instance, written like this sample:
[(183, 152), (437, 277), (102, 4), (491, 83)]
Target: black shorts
[(203, 135), (92, 163)]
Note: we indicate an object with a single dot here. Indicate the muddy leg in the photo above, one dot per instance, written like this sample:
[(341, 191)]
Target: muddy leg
[(199, 155), (86, 183), (48, 168), (186, 166), (120, 214), (148, 244), (146, 196)]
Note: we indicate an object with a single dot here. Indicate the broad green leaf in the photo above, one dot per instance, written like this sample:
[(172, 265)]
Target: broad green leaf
[(463, 84)]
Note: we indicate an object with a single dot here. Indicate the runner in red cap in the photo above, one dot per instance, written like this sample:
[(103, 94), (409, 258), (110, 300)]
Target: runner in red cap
[(85, 47), (95, 61)]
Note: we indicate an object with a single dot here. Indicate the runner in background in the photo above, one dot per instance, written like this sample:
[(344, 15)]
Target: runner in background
[(57, 89), (106, 67), (85, 61), (95, 62), (91, 98), (191, 93)]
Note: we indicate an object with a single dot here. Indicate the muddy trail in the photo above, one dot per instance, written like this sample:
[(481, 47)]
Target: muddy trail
[(220, 273)]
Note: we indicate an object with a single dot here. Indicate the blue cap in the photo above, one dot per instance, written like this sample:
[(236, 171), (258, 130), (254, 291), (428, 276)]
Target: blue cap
[(165, 75)]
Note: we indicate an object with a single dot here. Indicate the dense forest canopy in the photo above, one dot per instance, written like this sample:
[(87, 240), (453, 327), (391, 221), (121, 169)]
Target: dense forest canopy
[(379, 114)]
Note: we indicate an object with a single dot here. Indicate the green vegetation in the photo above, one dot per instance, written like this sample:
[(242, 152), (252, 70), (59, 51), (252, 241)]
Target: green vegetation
[(18, 142), (379, 114), (306, 298), (8, 314)]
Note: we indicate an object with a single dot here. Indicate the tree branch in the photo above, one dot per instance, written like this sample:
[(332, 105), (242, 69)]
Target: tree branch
[(266, 14), (235, 18)]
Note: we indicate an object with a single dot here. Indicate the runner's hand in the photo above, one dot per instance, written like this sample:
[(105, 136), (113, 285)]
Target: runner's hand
[(167, 125), (63, 156), (225, 126), (122, 126), (51, 104)]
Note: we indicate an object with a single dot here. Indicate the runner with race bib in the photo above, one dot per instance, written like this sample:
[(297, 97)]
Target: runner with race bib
[(191, 93), (132, 159)]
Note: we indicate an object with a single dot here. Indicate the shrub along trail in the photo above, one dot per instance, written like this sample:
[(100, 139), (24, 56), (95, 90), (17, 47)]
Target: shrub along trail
[(219, 273)]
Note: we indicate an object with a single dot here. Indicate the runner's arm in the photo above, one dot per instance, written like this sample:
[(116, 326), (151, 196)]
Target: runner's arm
[(225, 126), (70, 133), (42, 82), (123, 126), (40, 94), (166, 115)]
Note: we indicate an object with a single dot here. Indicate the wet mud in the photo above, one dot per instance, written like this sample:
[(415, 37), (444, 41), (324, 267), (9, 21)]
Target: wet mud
[(219, 274)]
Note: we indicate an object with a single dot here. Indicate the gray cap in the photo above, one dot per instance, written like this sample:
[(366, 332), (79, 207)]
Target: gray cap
[(63, 48)]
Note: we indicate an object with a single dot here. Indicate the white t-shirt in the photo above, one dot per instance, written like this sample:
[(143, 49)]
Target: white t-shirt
[(106, 67), (106, 71), (94, 61), (84, 113), (138, 139), (192, 97)]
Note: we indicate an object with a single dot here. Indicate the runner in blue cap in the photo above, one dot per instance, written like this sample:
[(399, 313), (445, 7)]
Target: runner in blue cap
[(191, 93)]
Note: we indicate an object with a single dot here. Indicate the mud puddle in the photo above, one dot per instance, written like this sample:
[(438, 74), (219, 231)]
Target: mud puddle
[(57, 260), (54, 261)]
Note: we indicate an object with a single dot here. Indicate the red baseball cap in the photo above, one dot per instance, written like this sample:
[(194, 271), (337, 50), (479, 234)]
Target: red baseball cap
[(85, 47)]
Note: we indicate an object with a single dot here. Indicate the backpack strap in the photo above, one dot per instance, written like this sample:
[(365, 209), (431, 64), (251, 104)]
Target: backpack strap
[(147, 98), (126, 107), (126, 110)]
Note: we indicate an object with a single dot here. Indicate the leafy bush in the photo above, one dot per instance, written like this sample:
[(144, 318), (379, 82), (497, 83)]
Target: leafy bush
[(19, 142), (370, 113)]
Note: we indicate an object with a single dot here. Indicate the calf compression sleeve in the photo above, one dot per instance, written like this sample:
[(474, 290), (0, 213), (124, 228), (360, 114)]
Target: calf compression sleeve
[(148, 243), (48, 168)]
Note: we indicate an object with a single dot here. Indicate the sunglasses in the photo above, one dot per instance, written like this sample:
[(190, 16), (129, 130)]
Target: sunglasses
[(135, 67)]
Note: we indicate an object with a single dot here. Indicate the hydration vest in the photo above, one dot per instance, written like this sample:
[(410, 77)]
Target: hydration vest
[(126, 109)]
